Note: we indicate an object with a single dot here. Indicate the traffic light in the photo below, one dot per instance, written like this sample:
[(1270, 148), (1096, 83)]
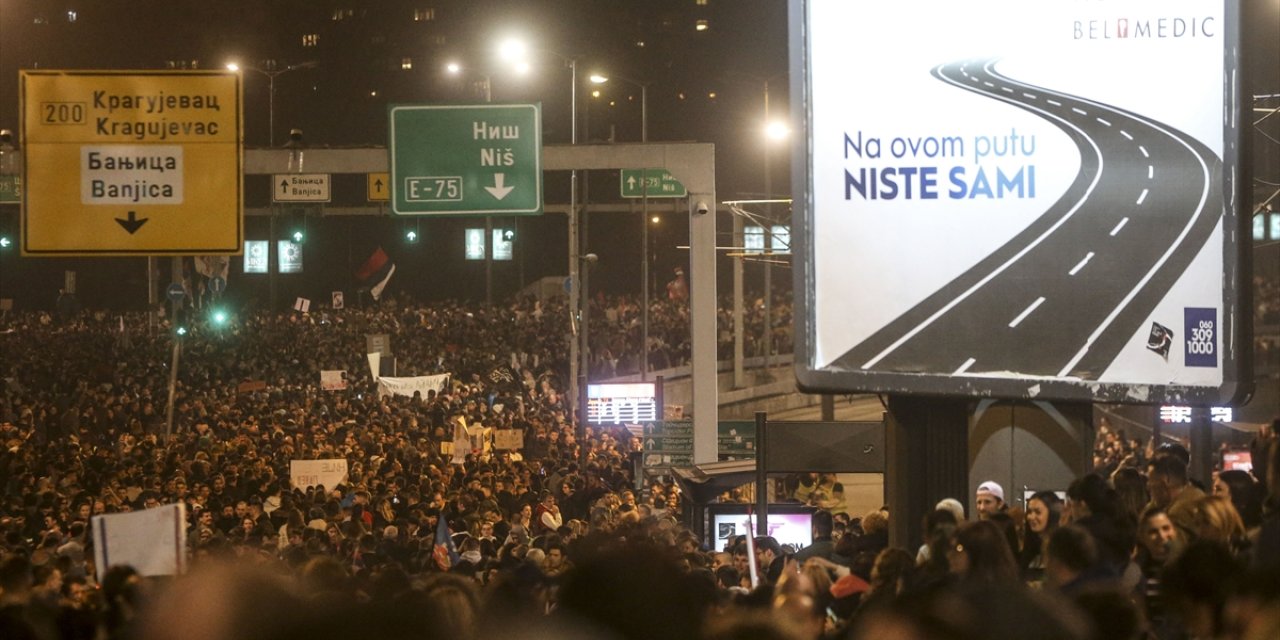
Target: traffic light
[(509, 235), (5, 242), (411, 236), (219, 317), (298, 235)]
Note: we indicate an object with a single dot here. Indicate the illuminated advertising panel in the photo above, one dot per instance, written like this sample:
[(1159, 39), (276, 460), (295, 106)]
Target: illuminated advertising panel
[(289, 256), (256, 256), (622, 403), (1024, 199), (474, 244)]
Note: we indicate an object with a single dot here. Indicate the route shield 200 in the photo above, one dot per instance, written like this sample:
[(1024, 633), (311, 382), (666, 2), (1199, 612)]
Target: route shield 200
[(1011, 199)]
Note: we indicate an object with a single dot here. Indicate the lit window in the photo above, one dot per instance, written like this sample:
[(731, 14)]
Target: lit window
[(41, 20), (310, 40), (701, 25), (373, 93), (680, 95), (71, 16), (712, 95), (423, 15), (702, 3), (1260, 227), (781, 240), (1275, 225), (406, 63), (753, 239), (639, 44)]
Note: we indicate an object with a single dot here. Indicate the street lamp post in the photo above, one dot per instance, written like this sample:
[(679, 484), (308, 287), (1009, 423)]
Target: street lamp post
[(271, 72), (516, 52), (773, 131), (644, 220)]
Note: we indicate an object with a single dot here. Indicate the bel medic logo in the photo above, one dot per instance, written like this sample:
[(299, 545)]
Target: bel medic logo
[(1202, 337)]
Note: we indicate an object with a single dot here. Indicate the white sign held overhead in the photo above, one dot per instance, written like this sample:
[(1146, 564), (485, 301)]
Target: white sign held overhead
[(152, 541), (300, 187), (1057, 232)]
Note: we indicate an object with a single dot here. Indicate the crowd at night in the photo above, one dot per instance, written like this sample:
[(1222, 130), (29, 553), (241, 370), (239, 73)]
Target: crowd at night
[(548, 540)]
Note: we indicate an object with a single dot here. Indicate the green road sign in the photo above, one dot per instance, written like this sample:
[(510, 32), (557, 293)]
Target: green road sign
[(10, 188), (670, 444), (658, 182), (466, 160)]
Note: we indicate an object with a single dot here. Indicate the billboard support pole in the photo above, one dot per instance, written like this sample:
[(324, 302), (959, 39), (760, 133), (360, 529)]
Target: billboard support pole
[(762, 475), (927, 442)]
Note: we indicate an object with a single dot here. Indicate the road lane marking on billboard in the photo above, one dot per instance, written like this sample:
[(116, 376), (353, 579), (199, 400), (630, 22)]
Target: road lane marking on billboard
[(1018, 256), (1186, 229), (1120, 226), (1144, 151), (1143, 196), (1076, 269), (1055, 103), (1080, 111), (1103, 122), (964, 367), (1023, 316)]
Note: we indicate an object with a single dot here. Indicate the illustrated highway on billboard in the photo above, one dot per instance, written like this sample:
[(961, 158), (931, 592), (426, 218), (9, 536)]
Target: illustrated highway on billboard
[(1050, 217)]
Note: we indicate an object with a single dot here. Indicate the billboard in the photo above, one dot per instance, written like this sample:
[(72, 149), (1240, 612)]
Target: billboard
[(1021, 199)]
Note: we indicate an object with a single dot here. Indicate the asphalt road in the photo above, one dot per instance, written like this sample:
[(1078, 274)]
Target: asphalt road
[(1062, 297)]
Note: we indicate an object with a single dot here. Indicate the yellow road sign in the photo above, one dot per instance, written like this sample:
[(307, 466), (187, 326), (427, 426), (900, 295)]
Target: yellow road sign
[(379, 186), (132, 163)]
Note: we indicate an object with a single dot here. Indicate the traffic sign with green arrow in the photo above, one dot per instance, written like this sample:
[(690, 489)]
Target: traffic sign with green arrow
[(659, 183), (466, 160)]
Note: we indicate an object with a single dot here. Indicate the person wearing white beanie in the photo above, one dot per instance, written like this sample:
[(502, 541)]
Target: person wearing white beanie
[(989, 499)]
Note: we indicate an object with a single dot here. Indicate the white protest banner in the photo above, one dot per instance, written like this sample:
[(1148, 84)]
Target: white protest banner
[(302, 304), (333, 380), (313, 473), (152, 541), (375, 363), (388, 386), (508, 439)]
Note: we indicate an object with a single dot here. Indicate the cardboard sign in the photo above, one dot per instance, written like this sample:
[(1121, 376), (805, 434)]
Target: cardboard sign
[(313, 473), (508, 439)]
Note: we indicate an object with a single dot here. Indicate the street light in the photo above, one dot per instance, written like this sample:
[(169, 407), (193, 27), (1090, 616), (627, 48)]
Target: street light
[(515, 51), (774, 131), (599, 78), (271, 72)]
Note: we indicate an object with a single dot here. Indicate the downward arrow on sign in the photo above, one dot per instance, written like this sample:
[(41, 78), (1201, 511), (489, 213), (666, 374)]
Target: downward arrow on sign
[(499, 190), (132, 224)]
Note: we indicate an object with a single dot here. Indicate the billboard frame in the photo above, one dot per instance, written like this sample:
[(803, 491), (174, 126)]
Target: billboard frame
[(1235, 330)]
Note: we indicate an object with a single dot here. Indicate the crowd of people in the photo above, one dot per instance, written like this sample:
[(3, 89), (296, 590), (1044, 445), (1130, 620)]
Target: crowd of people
[(558, 538)]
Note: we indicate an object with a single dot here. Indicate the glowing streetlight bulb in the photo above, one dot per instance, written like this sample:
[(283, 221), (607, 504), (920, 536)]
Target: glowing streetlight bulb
[(777, 130), (231, 66), (512, 50), (596, 78), (453, 68)]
